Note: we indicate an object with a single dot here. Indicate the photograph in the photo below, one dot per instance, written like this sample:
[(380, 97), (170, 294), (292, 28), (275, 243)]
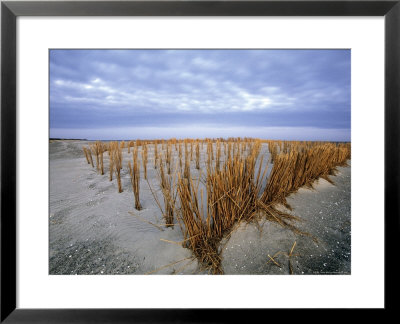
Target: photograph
[(199, 161)]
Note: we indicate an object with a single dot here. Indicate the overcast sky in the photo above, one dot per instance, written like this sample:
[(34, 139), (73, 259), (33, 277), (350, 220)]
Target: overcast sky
[(271, 94)]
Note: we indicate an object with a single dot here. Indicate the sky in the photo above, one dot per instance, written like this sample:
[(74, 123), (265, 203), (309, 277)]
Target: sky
[(160, 94)]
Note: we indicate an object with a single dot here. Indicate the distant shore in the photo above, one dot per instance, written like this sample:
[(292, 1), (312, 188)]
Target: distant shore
[(67, 139)]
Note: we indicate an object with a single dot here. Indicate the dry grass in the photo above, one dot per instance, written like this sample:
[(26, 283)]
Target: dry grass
[(218, 160), (301, 166), (88, 155), (235, 186), (230, 193), (117, 159), (186, 172), (111, 160), (234, 191), (144, 160), (167, 190), (101, 162), (168, 157), (155, 154), (135, 177), (97, 148), (180, 157)]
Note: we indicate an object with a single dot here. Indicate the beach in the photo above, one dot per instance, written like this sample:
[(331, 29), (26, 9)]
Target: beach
[(94, 229)]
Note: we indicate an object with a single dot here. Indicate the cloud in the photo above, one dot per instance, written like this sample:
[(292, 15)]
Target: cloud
[(112, 88), (204, 63)]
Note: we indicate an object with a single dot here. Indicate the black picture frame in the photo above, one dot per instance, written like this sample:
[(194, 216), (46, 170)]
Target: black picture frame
[(10, 10)]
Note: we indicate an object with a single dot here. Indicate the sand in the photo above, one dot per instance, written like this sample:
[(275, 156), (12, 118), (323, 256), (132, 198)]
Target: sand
[(92, 230)]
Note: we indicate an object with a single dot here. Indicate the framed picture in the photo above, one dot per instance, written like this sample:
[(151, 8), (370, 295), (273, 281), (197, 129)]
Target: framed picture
[(344, 52)]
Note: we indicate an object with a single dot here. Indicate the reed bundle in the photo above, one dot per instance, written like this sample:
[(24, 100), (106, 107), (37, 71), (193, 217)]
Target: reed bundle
[(197, 234), (210, 150), (101, 162), (111, 163), (197, 156), (273, 150), (86, 155), (128, 145), (112, 148), (168, 157), (144, 160), (89, 152), (167, 190), (155, 154), (217, 162), (180, 157), (97, 148), (186, 172), (117, 160), (228, 152), (135, 178)]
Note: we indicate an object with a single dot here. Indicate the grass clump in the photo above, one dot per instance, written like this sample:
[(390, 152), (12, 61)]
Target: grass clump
[(135, 178), (117, 162)]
